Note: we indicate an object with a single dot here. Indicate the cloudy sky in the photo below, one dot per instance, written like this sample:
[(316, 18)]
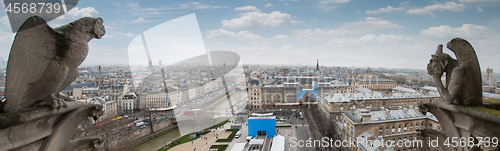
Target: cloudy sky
[(361, 33)]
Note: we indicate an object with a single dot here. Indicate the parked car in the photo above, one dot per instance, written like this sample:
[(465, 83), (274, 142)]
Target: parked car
[(139, 124), (238, 134)]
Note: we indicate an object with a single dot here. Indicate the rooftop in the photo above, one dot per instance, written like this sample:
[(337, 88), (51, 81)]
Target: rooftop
[(366, 94), (387, 115), (430, 88), (491, 95), (403, 89)]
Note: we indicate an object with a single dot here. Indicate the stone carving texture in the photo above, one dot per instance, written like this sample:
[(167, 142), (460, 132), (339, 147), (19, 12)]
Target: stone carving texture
[(461, 114), (42, 62), (463, 76)]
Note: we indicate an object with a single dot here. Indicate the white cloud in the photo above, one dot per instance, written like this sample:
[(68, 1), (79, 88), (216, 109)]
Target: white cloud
[(467, 30), (373, 22), (448, 6), (369, 38), (8, 36), (140, 20), (257, 19), (137, 10), (479, 9), (286, 47), (198, 5), (5, 20), (334, 1), (222, 33), (253, 48), (261, 43), (359, 27), (120, 33), (219, 42), (74, 14), (387, 9), (108, 36), (280, 37), (310, 33), (269, 5), (247, 8), (471, 1), (77, 13), (6, 40), (265, 43)]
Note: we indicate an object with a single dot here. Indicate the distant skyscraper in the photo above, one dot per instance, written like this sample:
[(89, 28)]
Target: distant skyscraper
[(99, 80), (317, 65), (489, 76)]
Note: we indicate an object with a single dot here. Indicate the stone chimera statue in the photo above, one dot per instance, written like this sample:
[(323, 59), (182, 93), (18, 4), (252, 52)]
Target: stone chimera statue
[(43, 61), (463, 76)]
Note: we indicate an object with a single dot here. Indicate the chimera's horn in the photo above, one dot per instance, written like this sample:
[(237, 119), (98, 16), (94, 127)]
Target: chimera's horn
[(439, 49)]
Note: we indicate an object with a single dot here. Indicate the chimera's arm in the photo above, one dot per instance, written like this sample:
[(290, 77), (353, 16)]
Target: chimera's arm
[(455, 84), (439, 85)]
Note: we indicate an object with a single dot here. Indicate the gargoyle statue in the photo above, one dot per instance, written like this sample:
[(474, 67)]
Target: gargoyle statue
[(43, 61), (463, 76)]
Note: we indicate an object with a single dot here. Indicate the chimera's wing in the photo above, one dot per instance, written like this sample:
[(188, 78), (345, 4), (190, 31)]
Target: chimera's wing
[(31, 52)]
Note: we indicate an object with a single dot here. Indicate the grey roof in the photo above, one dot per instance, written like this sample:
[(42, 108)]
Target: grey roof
[(383, 116), (254, 82), (366, 94), (129, 97), (363, 90), (375, 80), (269, 81), (491, 95), (369, 146), (78, 85), (430, 88), (403, 89)]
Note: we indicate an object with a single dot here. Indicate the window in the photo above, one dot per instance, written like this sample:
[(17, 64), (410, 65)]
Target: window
[(405, 129), (411, 127), (399, 129), (387, 130), (380, 132), (393, 129)]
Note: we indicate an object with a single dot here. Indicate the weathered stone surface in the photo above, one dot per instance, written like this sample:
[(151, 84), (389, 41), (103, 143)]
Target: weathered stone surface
[(43, 61), (463, 76), (461, 115)]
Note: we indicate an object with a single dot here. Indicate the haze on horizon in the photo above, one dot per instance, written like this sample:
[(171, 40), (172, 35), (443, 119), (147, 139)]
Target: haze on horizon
[(387, 34)]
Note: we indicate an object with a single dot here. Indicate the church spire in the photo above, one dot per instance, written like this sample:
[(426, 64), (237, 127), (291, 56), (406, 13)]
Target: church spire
[(317, 64)]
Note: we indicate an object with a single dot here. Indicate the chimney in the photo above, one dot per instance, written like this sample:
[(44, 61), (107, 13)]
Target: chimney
[(366, 117), (369, 108), (388, 112), (352, 109)]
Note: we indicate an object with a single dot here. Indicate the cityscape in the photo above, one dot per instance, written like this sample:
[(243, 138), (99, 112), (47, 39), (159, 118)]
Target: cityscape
[(304, 103), (268, 75)]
